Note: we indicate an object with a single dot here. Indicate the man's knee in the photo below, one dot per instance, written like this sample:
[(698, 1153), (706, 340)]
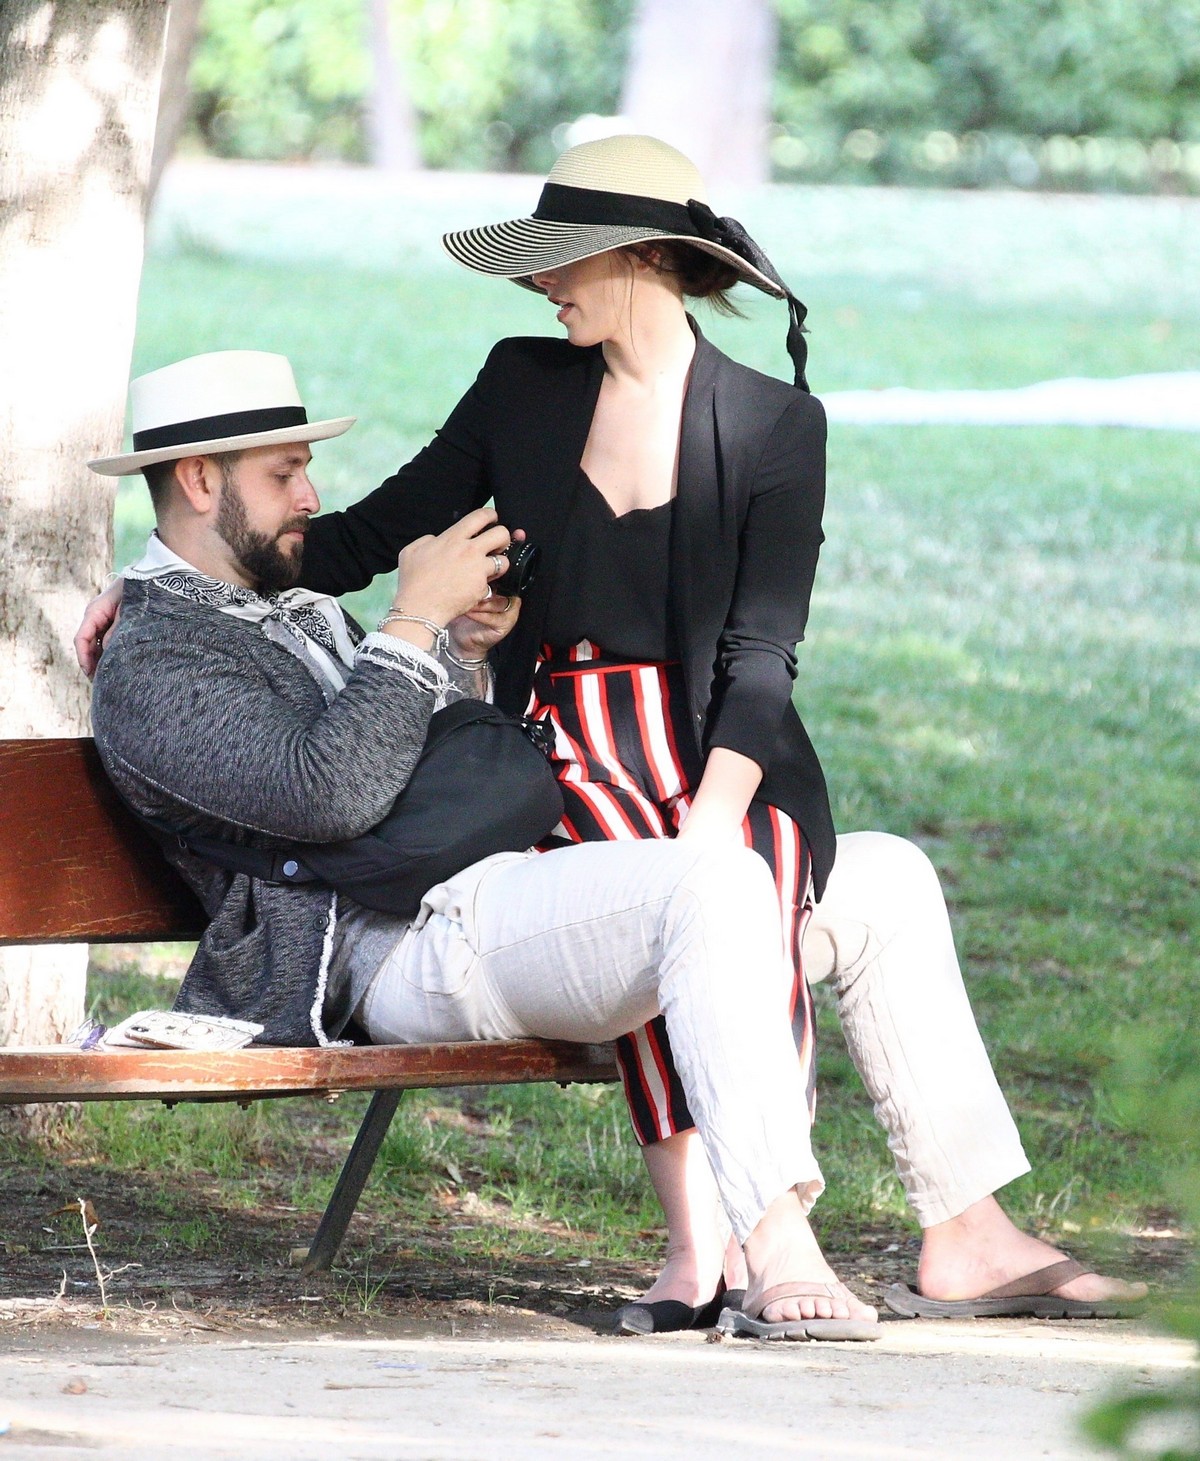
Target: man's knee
[(731, 876)]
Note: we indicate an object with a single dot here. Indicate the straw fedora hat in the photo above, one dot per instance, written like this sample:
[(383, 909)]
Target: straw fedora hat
[(611, 193), (224, 401)]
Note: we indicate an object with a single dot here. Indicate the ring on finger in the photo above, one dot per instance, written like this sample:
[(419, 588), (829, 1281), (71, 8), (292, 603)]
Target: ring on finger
[(497, 564), (507, 602)]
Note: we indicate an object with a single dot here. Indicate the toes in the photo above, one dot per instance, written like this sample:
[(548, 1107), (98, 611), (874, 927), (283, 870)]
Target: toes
[(840, 1304)]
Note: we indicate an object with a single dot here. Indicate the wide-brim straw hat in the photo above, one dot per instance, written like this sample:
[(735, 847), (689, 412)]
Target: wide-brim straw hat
[(604, 195), (611, 193), (227, 400)]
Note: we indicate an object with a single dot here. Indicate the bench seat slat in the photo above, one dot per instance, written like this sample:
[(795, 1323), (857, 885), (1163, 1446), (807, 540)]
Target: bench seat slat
[(58, 1073)]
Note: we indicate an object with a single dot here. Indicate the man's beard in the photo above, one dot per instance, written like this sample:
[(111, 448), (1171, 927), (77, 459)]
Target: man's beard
[(261, 558)]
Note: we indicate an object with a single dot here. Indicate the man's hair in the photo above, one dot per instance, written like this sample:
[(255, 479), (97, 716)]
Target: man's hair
[(160, 475)]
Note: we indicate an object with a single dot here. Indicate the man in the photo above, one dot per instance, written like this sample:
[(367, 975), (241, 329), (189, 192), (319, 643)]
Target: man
[(228, 704), (231, 704)]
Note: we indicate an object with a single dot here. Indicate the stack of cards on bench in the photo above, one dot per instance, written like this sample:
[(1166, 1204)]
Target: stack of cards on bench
[(169, 1030)]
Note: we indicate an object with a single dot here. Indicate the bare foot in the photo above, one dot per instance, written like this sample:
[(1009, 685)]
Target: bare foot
[(969, 1255), (687, 1276), (782, 1251), (697, 1229), (736, 1276)]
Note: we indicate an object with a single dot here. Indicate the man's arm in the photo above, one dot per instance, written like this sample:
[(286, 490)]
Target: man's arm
[(198, 732)]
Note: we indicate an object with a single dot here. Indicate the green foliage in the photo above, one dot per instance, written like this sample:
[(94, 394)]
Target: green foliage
[(1171, 1416), (1124, 67), (1100, 94), (983, 92), (1156, 1091), (493, 78), (281, 78), (490, 79)]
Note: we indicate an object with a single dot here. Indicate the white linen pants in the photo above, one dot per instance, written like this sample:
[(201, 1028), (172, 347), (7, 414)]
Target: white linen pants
[(590, 941), (882, 935)]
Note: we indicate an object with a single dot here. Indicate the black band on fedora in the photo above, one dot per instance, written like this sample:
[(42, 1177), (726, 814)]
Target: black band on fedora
[(560, 203), (217, 428)]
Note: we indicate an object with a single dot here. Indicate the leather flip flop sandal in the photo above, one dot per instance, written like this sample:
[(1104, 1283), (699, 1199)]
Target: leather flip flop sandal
[(1030, 1297), (749, 1324)]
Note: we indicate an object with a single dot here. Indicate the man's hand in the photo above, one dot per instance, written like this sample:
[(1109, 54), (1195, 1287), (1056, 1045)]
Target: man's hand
[(99, 620), (481, 628), (443, 577)]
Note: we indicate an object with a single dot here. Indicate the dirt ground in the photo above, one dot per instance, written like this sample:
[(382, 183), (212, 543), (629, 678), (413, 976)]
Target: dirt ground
[(408, 1350), (461, 1382), (245, 1276)]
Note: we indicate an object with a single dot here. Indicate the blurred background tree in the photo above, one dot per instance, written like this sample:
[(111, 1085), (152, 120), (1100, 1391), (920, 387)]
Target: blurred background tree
[(1032, 93), (716, 108)]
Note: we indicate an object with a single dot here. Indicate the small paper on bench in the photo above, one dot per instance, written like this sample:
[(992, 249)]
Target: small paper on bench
[(171, 1030)]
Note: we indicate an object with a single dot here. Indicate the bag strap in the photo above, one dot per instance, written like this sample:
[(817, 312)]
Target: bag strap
[(268, 865)]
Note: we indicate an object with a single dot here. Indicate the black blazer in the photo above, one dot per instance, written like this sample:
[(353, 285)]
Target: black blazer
[(745, 538)]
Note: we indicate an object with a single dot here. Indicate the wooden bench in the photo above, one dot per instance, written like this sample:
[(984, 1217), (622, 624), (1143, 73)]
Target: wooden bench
[(76, 867)]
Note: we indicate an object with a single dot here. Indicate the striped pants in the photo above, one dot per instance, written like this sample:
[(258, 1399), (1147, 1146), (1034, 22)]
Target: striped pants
[(627, 763)]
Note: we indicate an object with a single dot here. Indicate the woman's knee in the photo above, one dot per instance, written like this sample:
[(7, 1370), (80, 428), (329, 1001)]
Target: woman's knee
[(883, 881)]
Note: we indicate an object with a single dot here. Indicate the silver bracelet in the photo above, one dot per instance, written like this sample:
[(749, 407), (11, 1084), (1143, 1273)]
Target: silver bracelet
[(465, 664), (441, 636)]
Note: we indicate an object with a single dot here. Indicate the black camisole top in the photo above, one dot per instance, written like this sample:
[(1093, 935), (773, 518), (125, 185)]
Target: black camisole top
[(612, 585)]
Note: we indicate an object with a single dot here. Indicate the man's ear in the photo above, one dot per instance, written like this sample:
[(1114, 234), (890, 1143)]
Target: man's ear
[(197, 478)]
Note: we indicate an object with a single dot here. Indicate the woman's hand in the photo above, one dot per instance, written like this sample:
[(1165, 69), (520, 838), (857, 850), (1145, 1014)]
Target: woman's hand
[(99, 620), (723, 797), (474, 633), (443, 578)]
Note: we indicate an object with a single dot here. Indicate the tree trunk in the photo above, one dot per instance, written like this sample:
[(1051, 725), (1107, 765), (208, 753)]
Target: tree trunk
[(391, 120), (78, 87), (716, 105), (174, 93)]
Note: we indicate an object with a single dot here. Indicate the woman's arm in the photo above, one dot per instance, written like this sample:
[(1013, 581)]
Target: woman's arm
[(344, 551), (777, 560)]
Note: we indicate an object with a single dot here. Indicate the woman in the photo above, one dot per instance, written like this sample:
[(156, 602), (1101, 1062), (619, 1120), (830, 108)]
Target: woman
[(677, 499)]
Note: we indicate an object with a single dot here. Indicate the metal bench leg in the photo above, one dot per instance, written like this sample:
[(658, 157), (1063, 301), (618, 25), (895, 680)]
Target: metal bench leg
[(351, 1182)]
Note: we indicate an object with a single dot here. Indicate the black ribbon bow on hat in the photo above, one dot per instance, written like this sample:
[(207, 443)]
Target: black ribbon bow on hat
[(730, 234)]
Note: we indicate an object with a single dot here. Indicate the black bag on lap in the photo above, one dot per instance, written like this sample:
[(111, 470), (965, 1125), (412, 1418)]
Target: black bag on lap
[(483, 785)]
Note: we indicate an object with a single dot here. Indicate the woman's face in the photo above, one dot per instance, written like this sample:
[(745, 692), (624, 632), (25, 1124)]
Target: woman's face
[(594, 296)]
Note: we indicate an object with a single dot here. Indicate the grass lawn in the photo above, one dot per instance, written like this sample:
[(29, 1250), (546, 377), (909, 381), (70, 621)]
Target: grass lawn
[(1002, 663)]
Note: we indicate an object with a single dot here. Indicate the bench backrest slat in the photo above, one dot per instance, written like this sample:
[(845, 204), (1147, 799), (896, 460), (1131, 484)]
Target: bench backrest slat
[(75, 865)]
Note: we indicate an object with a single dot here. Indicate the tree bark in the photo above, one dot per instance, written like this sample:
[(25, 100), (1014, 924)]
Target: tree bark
[(391, 120), (715, 106), (174, 92), (78, 89)]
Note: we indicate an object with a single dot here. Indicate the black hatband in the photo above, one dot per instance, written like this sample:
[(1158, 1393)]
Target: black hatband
[(562, 204), (217, 428)]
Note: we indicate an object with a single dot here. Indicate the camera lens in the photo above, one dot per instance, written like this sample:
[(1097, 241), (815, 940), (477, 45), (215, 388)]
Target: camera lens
[(522, 570)]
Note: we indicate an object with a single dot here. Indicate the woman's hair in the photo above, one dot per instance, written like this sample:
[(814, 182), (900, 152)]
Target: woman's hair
[(701, 275)]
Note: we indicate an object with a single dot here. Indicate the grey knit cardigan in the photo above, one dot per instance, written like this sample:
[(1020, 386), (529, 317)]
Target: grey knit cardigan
[(215, 727)]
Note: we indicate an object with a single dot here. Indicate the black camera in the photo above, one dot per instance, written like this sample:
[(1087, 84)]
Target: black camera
[(522, 570)]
